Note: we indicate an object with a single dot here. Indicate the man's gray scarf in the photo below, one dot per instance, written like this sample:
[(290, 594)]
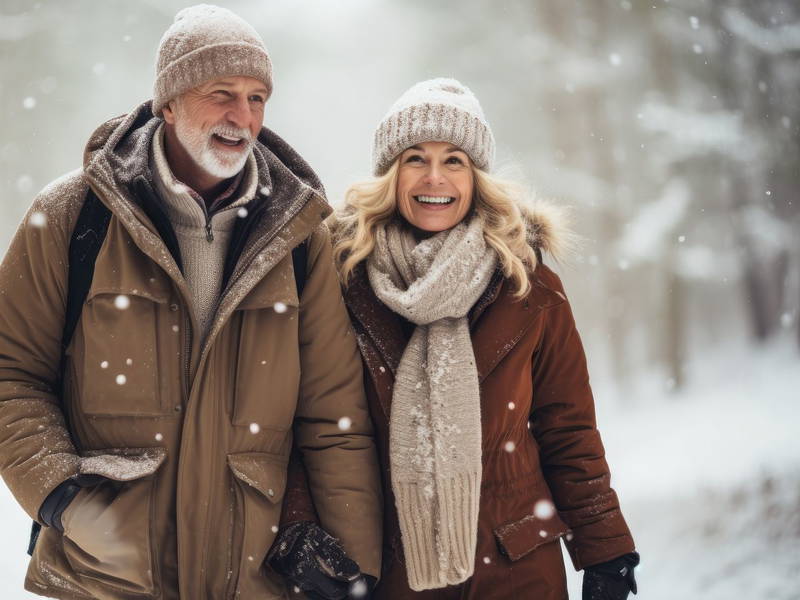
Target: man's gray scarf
[(435, 423)]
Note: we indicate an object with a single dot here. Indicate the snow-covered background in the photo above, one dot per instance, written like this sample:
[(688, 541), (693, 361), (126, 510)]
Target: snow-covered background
[(669, 126)]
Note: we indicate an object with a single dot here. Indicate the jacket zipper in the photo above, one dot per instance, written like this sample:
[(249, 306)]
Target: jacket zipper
[(187, 350)]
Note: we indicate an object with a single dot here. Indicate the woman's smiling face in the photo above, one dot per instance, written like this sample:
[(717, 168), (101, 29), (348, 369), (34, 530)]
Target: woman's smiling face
[(434, 185)]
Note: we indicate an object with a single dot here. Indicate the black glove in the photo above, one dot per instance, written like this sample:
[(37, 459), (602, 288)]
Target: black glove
[(612, 580), (314, 561)]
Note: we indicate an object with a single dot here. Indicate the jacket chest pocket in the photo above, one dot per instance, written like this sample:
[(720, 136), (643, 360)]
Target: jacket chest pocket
[(121, 347), (268, 360)]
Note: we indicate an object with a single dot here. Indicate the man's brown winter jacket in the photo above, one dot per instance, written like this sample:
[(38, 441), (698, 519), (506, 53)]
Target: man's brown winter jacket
[(192, 438)]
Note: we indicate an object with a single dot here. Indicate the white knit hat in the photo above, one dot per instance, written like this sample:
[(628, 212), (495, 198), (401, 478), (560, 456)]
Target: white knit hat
[(205, 43), (437, 110)]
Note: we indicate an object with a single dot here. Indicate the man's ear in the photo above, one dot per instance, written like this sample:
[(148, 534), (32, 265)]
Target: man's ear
[(169, 112)]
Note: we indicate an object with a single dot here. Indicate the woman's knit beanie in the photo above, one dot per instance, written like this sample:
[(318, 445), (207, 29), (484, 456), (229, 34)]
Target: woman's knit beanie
[(205, 43), (437, 110)]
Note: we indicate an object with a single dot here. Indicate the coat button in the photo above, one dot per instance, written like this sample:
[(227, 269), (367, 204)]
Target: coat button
[(173, 307), (178, 408)]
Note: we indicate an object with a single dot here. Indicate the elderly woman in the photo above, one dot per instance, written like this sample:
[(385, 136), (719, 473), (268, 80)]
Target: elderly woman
[(476, 377)]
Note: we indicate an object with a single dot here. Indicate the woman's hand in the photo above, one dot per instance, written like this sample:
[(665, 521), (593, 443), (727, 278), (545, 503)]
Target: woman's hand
[(612, 580)]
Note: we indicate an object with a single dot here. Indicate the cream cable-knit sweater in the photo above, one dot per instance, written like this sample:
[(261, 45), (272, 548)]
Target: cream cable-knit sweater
[(203, 255)]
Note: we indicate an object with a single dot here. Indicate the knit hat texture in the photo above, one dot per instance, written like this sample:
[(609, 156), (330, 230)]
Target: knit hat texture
[(205, 43), (436, 110)]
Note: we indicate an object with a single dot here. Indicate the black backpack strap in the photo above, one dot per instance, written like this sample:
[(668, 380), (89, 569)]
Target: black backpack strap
[(84, 246), (300, 262)]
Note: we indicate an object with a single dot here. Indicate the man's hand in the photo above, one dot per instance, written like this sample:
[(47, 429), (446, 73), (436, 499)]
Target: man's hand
[(612, 580), (314, 561)]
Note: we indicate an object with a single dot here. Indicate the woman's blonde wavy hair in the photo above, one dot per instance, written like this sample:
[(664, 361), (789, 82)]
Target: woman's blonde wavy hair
[(373, 202)]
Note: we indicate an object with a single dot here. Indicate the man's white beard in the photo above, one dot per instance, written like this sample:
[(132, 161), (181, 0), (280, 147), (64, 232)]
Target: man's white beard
[(208, 156)]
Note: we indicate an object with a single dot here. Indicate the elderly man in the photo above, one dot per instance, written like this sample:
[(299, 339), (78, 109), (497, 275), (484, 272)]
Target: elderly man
[(169, 317)]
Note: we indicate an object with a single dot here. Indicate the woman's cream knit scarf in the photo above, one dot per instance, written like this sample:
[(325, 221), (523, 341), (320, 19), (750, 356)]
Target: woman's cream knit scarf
[(435, 423)]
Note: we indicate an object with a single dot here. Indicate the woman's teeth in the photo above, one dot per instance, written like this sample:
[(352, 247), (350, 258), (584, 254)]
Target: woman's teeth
[(434, 199)]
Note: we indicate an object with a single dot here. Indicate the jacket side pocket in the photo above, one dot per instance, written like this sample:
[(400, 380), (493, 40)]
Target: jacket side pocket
[(107, 528), (260, 485)]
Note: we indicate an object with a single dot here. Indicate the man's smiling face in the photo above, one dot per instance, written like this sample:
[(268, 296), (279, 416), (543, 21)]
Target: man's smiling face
[(217, 123)]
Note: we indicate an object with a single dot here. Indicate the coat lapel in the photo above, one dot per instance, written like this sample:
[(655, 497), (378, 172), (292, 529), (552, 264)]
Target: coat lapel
[(505, 321)]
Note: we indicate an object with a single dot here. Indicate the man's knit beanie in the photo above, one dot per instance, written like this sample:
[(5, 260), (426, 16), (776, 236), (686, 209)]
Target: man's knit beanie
[(437, 110), (205, 43)]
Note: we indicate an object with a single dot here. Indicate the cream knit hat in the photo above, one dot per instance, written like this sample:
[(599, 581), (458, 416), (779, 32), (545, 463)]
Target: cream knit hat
[(437, 110), (204, 43)]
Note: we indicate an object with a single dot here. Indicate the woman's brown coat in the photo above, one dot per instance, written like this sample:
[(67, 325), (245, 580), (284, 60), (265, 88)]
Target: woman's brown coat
[(541, 447)]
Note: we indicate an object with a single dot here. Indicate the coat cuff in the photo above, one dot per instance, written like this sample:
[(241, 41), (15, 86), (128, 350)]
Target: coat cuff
[(599, 541)]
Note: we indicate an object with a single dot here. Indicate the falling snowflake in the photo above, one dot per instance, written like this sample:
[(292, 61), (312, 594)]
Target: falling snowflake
[(99, 68), (37, 219), (104, 364), (241, 213), (265, 191), (159, 437), (254, 428), (510, 446), (544, 509), (345, 423), (694, 22), (122, 302), (129, 361), (24, 183), (175, 328), (280, 307), (121, 379), (511, 406), (29, 103), (358, 589), (681, 238), (615, 59), (486, 560), (274, 529), (697, 48), (48, 85), (542, 533)]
